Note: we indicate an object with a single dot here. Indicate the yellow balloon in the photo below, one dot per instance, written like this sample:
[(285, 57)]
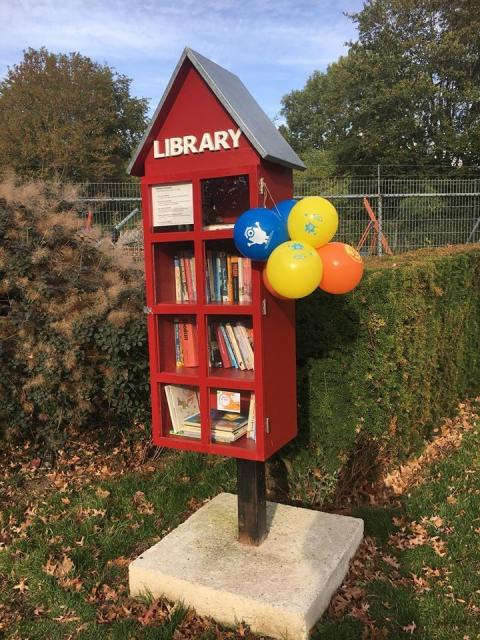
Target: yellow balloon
[(294, 269), (313, 220)]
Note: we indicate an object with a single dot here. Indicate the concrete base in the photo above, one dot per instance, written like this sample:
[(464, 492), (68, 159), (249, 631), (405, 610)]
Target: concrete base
[(280, 588)]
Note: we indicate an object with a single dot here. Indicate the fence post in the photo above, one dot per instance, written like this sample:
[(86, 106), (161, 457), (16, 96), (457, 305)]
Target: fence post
[(379, 213)]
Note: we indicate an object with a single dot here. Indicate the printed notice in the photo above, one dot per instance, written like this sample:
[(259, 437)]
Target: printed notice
[(172, 204)]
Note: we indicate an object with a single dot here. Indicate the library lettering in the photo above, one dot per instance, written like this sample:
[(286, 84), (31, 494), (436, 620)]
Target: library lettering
[(185, 145)]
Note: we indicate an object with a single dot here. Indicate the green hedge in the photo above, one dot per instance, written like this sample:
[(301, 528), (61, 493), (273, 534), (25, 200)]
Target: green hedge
[(380, 366)]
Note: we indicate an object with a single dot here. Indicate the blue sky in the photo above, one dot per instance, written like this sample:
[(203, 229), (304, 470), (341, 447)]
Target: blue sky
[(273, 46)]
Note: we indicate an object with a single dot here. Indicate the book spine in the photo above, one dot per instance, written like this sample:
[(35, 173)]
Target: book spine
[(178, 347), (188, 341), (223, 348), (235, 283), (229, 279), (194, 280), (251, 419), (244, 346), (247, 280), (211, 275), (247, 345), (235, 347), (183, 280), (218, 278), (188, 275), (224, 277), (241, 293), (178, 280), (171, 408), (231, 353), (214, 347)]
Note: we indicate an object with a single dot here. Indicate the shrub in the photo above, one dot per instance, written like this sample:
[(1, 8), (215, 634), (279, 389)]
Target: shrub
[(380, 366), (72, 331)]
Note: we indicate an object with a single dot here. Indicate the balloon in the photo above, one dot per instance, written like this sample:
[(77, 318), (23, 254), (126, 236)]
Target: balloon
[(257, 232), (269, 287), (284, 207), (342, 267), (294, 269), (313, 220)]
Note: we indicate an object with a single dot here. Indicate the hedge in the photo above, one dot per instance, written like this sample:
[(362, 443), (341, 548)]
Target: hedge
[(380, 366)]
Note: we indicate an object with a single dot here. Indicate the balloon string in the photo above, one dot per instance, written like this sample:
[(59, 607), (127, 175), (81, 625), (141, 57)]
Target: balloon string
[(266, 192)]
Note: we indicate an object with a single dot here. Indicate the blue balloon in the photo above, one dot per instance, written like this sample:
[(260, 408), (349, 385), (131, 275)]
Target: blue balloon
[(258, 232), (284, 207)]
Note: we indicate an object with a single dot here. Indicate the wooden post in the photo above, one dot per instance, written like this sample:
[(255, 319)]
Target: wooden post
[(252, 505)]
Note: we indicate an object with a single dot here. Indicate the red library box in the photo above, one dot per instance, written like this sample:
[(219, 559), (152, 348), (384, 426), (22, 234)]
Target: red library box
[(222, 348)]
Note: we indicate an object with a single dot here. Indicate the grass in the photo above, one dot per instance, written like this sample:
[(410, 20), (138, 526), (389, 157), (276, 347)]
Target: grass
[(67, 544)]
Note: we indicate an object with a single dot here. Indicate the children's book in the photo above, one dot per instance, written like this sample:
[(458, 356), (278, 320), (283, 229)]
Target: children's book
[(182, 402)]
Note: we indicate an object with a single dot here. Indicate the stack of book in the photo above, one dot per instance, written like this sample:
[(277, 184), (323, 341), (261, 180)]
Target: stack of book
[(186, 345), (224, 427), (185, 284), (228, 278), (231, 345)]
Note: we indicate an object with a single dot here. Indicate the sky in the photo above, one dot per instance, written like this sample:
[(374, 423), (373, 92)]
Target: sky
[(272, 45)]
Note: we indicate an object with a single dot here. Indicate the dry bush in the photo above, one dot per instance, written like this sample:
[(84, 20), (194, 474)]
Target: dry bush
[(72, 331)]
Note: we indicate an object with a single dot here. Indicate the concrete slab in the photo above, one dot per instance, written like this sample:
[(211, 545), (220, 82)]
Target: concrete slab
[(280, 588)]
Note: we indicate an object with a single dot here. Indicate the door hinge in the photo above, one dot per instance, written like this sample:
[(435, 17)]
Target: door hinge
[(264, 307), (267, 425)]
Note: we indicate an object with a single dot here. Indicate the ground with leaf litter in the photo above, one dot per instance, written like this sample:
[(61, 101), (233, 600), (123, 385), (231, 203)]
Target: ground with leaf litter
[(69, 530)]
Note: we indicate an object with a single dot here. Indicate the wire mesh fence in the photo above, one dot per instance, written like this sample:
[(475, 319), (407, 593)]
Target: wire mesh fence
[(408, 213)]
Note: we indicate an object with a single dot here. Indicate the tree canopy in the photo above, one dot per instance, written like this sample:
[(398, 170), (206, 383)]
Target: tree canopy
[(66, 116), (406, 93)]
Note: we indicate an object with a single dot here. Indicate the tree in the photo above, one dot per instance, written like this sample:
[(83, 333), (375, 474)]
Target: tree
[(406, 93), (69, 117)]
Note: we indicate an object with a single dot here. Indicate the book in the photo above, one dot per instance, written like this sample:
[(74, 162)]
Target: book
[(251, 434), (188, 343), (182, 402), (178, 348), (178, 280), (247, 280), (214, 354), (183, 280), (235, 283), (230, 351), (235, 347), (193, 420), (244, 344), (229, 279), (223, 278), (241, 292), (226, 421), (194, 285), (187, 265), (226, 362)]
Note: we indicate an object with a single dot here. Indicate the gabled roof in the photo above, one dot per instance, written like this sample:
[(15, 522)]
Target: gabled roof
[(242, 107)]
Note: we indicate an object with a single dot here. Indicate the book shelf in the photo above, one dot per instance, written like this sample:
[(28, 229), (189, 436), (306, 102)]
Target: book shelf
[(262, 325)]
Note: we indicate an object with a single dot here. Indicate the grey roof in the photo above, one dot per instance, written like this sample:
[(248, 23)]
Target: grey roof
[(242, 107)]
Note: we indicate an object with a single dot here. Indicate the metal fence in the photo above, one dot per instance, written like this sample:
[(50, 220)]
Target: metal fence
[(410, 213)]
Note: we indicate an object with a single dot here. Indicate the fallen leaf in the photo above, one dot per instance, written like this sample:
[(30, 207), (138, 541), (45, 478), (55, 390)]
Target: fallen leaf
[(410, 628), (102, 493), (22, 586)]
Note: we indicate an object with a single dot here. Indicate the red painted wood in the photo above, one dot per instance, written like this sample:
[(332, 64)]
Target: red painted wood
[(191, 109)]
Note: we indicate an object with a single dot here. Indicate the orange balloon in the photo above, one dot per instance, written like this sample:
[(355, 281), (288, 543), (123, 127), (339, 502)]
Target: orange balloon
[(269, 287), (342, 267)]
